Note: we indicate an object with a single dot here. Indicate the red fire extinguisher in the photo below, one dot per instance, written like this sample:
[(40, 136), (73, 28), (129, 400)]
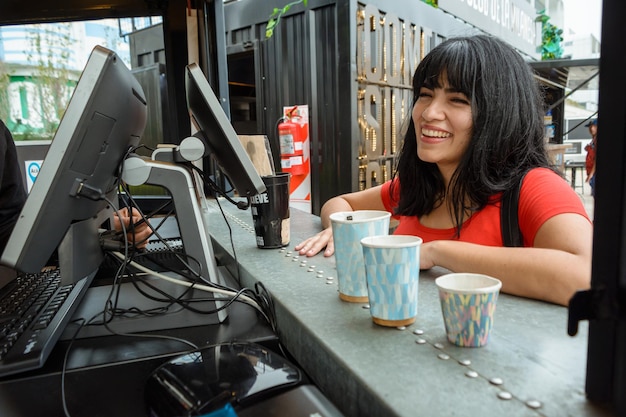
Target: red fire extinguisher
[(292, 132)]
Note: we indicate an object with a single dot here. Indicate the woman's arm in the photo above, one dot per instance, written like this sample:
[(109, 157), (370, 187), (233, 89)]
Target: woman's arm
[(558, 264), (369, 199)]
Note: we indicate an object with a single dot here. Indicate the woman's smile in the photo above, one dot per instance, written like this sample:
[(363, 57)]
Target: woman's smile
[(430, 135)]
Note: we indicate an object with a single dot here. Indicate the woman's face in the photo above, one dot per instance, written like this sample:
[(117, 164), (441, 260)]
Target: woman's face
[(443, 126)]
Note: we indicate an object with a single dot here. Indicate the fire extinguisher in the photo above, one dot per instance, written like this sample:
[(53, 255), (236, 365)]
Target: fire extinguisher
[(292, 133)]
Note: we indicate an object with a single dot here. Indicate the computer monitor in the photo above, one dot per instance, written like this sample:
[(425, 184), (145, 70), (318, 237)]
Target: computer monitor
[(221, 141), (105, 118), (220, 136)]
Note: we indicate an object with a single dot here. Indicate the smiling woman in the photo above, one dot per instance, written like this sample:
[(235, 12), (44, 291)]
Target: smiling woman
[(476, 131)]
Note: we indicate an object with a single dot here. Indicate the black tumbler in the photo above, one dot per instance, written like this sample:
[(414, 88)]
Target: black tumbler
[(270, 212)]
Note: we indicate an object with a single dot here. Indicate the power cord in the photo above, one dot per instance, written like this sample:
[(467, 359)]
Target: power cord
[(202, 287), (241, 205), (265, 307)]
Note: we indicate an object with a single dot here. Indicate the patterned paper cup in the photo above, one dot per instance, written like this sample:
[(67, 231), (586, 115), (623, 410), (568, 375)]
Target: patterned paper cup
[(468, 304), (392, 267), (349, 227)]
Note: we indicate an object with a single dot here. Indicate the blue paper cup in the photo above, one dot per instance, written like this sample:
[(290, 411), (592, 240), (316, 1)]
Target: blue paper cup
[(468, 304), (349, 227), (392, 267)]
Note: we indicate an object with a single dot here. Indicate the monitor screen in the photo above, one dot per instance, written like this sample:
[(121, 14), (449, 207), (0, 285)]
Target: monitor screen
[(105, 118), (218, 133)]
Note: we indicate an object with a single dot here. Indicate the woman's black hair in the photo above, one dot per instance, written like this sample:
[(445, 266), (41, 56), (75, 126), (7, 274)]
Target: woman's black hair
[(507, 135)]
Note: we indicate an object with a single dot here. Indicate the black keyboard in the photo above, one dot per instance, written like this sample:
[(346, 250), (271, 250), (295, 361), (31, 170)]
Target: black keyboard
[(34, 310)]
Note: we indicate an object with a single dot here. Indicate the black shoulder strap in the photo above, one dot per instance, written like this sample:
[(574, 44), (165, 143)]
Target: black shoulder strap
[(511, 233)]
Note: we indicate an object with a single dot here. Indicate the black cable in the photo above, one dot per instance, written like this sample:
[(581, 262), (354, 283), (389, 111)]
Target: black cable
[(197, 273), (184, 303), (110, 309), (242, 205), (264, 302), (262, 297), (259, 295), (64, 368)]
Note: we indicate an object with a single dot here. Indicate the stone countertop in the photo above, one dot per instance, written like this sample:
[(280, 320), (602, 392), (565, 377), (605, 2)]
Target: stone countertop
[(369, 370)]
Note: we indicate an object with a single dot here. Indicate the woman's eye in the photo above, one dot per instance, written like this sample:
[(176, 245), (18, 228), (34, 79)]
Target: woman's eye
[(460, 100), (425, 94)]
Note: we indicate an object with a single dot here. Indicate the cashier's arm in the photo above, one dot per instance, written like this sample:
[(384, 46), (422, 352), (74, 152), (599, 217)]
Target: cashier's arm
[(558, 265)]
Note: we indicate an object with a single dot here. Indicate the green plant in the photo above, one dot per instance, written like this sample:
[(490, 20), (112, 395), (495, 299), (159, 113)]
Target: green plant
[(277, 14), (433, 3), (551, 38)]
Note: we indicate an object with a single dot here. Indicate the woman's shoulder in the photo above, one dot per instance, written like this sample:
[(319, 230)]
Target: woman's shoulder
[(545, 194), (545, 181), (544, 174), (543, 171), (389, 201)]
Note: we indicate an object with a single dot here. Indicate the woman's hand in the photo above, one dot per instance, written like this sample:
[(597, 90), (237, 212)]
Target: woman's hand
[(368, 199), (139, 234), (313, 245)]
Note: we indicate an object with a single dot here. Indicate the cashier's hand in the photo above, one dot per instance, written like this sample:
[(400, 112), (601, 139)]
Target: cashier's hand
[(140, 233), (313, 245)]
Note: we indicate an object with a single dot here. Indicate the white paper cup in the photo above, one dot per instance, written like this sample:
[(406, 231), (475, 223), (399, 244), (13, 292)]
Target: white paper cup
[(349, 227), (468, 304), (392, 267)]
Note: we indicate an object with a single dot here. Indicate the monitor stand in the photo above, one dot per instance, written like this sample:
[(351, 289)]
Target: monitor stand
[(190, 205), (192, 214)]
